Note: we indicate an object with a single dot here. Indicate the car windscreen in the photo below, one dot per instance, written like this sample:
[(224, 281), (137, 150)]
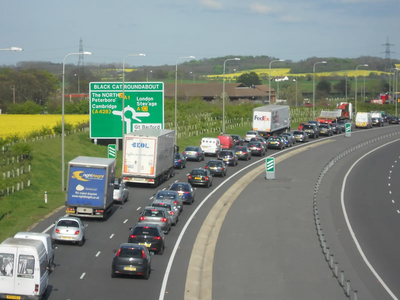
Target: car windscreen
[(153, 213), (191, 149), (180, 187), (145, 231), (68, 223), (130, 252)]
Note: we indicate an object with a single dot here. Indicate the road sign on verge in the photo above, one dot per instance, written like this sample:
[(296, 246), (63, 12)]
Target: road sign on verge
[(348, 130), (112, 153), (270, 168), (144, 108)]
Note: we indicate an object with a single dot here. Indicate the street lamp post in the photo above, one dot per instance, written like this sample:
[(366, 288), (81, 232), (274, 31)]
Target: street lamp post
[(396, 74), (364, 65), (12, 49), (269, 82), (296, 91), (313, 108), (123, 95), (63, 118), (346, 85), (148, 75), (194, 78), (78, 83), (223, 94), (176, 95)]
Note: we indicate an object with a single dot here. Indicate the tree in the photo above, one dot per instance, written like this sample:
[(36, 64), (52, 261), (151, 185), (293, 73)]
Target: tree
[(340, 87), (324, 86), (290, 95), (249, 79)]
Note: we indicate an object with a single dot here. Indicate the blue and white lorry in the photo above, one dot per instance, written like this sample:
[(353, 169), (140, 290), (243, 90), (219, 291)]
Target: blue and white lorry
[(90, 187), (271, 120)]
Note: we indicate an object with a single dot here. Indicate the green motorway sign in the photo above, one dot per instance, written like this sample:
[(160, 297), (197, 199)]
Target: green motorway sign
[(144, 108), (270, 164)]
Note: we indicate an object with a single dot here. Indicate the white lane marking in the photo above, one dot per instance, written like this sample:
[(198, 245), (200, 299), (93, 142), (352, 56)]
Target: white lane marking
[(138, 208), (151, 197), (398, 211), (388, 184), (392, 166), (48, 228), (164, 189), (393, 201), (389, 177), (125, 221), (390, 171), (83, 275), (390, 192), (111, 236), (98, 253), (192, 216), (351, 229), (395, 161), (176, 181)]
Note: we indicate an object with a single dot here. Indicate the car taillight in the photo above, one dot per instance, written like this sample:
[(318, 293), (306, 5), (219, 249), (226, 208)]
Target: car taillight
[(36, 288), (157, 237), (221, 168), (133, 236), (244, 152), (164, 220), (258, 148), (175, 202), (77, 232), (206, 167), (187, 192), (118, 252), (179, 160), (206, 178), (184, 152), (197, 153), (190, 176), (171, 213), (57, 230), (142, 218)]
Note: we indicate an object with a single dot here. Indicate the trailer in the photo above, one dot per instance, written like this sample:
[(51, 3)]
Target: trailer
[(271, 120), (329, 117), (148, 156), (90, 187)]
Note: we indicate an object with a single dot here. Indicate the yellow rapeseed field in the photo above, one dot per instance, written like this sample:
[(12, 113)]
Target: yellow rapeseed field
[(23, 124)]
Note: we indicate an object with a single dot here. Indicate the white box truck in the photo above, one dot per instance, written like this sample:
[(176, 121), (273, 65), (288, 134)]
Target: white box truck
[(271, 120), (90, 186), (148, 156)]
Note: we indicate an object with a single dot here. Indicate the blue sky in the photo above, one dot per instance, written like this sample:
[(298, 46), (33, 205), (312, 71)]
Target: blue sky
[(164, 30)]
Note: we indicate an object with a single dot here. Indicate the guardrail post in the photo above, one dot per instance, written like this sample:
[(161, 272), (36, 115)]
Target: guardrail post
[(342, 278), (348, 288)]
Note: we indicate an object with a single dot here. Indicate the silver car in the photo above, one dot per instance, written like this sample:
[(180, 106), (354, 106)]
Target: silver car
[(301, 136), (156, 215), (170, 195), (251, 134), (69, 229), (121, 192), (172, 209)]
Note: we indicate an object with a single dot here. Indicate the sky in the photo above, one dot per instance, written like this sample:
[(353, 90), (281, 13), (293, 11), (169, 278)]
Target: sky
[(165, 30)]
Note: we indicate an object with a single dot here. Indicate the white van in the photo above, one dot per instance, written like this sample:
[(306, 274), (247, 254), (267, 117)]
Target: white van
[(23, 269), (363, 120), (45, 238), (210, 145)]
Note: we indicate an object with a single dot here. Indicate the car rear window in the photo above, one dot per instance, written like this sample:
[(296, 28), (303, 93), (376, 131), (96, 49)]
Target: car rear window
[(68, 223), (298, 132), (250, 132), (153, 213), (254, 144), (130, 252), (177, 156), (225, 153), (198, 172), (180, 187), (166, 195), (191, 149), (145, 231), (162, 204), (214, 163), (308, 127)]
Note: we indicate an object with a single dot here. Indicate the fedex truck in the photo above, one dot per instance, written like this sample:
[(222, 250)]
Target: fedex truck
[(271, 120)]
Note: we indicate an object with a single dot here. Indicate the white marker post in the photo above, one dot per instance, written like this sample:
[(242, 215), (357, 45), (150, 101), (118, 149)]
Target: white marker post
[(45, 197)]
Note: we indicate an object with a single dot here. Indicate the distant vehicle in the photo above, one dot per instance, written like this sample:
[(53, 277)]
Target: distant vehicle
[(325, 129), (342, 125), (242, 152), (185, 190), (347, 110), (237, 140), (170, 195), (301, 136), (256, 148), (179, 161), (121, 192), (312, 130), (335, 128), (226, 141), (394, 120), (210, 146), (156, 215), (276, 142), (217, 167), (69, 229), (171, 208), (200, 177), (301, 126), (229, 157), (363, 120), (262, 140), (377, 122), (131, 259), (314, 122), (290, 135), (251, 134), (149, 235), (288, 140), (271, 120), (194, 153)]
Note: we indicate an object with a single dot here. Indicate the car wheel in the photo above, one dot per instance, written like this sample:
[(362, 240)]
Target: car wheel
[(147, 275), (81, 242), (181, 166), (208, 185), (161, 251), (113, 275)]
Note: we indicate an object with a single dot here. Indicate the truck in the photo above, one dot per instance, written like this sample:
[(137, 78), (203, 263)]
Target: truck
[(347, 110), (271, 120), (329, 117), (90, 186), (148, 156)]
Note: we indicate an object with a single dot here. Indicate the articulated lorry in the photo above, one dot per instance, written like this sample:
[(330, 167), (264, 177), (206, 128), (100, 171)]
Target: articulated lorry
[(329, 117), (90, 187), (148, 156), (347, 110), (271, 120)]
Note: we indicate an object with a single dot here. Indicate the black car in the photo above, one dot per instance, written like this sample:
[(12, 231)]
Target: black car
[(291, 135), (200, 177), (325, 129), (237, 140), (131, 259), (256, 148), (377, 122), (336, 129), (149, 235), (229, 157), (242, 152), (217, 167), (288, 140), (312, 130), (261, 140), (394, 120), (276, 142)]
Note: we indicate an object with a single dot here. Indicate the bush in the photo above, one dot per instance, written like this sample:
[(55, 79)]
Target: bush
[(58, 127), (81, 125), (21, 149)]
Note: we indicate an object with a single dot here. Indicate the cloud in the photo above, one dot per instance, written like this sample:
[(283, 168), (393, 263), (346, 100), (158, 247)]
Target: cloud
[(290, 19), (260, 8), (210, 4)]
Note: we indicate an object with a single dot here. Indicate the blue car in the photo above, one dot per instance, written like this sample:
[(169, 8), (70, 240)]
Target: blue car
[(185, 190), (180, 161)]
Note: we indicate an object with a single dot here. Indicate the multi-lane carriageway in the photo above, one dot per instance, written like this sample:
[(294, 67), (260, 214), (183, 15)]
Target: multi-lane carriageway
[(243, 238)]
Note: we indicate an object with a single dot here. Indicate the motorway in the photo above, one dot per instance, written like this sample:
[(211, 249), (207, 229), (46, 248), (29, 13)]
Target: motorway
[(266, 246)]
